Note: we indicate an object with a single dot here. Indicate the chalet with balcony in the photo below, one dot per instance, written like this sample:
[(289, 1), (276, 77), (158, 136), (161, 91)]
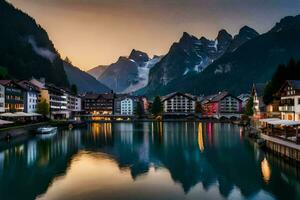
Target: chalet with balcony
[(290, 100), (14, 96), (99, 104)]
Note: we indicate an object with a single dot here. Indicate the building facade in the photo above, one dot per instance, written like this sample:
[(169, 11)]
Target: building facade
[(58, 102), (290, 100), (125, 104), (98, 104), (14, 96), (2, 98), (31, 93), (221, 105), (179, 104)]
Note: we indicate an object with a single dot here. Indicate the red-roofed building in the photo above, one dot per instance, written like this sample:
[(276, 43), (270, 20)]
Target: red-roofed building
[(220, 105)]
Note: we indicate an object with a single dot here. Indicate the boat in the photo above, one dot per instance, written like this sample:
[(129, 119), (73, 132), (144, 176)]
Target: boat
[(46, 130)]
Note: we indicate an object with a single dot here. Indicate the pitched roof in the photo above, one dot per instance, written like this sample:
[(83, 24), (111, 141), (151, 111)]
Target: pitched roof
[(218, 97), (295, 84), (27, 85), (164, 98), (259, 88), (4, 82), (97, 96)]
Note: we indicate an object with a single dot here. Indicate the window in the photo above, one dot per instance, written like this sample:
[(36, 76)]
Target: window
[(298, 101)]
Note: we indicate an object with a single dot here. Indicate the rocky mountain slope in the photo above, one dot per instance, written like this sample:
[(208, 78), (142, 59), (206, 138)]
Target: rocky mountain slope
[(25, 48), (97, 71), (254, 61), (84, 81), (128, 74), (192, 55)]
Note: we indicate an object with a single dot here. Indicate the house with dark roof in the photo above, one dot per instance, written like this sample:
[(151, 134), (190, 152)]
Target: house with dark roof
[(259, 107), (31, 93), (221, 105), (14, 96), (99, 103), (290, 100), (178, 103)]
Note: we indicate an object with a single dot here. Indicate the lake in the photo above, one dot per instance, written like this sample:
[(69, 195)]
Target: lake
[(141, 161)]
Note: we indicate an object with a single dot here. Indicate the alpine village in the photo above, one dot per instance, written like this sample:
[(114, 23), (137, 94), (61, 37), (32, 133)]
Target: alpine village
[(246, 84)]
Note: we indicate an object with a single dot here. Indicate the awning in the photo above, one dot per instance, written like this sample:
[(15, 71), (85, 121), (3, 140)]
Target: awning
[(20, 114), (7, 115), (282, 122), (3, 122), (269, 120)]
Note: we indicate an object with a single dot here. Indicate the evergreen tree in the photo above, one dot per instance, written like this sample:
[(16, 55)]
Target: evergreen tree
[(74, 89), (198, 108), (67, 60), (43, 108), (157, 108), (249, 107), (3, 72), (289, 72), (139, 110)]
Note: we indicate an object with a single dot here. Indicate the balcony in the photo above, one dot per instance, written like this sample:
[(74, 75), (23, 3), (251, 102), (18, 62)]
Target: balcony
[(286, 108)]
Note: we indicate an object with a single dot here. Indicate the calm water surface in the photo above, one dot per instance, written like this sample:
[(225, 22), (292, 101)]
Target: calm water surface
[(144, 161)]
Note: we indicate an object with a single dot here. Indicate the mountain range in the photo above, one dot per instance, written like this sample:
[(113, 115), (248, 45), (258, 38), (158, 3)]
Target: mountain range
[(26, 51), (195, 65), (128, 74), (254, 59)]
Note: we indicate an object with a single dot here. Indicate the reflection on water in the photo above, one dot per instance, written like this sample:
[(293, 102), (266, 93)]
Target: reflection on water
[(200, 138), (144, 161), (265, 169)]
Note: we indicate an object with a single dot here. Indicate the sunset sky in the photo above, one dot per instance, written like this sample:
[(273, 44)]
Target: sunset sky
[(97, 32)]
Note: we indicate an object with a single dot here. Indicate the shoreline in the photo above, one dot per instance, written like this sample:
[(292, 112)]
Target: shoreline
[(13, 132)]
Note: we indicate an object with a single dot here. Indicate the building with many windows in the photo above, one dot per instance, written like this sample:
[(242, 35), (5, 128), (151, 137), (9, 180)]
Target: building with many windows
[(73, 103), (179, 104), (2, 98), (221, 105), (98, 104), (31, 93), (14, 95), (58, 102), (290, 100), (125, 104)]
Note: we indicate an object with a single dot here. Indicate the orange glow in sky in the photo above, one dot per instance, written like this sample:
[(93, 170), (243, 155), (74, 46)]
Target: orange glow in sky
[(97, 32)]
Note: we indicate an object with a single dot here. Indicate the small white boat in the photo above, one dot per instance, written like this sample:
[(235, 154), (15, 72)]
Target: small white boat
[(46, 130)]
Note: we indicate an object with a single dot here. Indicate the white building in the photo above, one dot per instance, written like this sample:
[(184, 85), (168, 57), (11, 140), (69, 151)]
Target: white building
[(179, 103), (74, 104), (30, 96), (258, 103), (127, 106), (290, 100), (2, 98), (78, 104)]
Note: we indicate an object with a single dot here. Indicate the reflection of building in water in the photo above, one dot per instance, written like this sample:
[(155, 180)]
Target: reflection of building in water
[(31, 152), (265, 170), (101, 130), (126, 133), (200, 137), (1, 160)]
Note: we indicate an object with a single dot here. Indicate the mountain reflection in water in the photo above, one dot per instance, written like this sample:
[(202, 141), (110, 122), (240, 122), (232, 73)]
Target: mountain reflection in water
[(144, 161)]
